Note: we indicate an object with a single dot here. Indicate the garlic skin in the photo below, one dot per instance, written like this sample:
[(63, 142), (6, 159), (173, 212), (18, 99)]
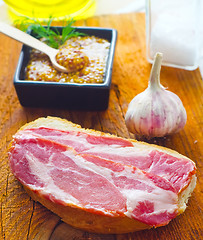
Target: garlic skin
[(156, 112)]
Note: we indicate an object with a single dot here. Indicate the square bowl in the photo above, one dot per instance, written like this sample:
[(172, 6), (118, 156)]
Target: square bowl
[(73, 96)]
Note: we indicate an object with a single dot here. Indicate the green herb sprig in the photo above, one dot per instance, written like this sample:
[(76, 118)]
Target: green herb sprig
[(53, 38)]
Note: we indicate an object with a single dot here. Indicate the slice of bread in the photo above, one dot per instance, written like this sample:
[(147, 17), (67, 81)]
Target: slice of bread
[(95, 222)]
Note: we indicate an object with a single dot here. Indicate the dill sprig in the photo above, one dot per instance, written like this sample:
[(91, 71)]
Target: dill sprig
[(53, 38)]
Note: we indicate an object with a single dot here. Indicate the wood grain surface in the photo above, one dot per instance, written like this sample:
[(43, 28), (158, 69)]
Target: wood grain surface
[(20, 217)]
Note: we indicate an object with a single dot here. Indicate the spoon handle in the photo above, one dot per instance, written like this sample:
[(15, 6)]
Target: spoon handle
[(25, 38)]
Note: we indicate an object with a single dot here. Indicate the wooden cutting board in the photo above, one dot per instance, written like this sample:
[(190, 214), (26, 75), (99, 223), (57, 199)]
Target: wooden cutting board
[(20, 217)]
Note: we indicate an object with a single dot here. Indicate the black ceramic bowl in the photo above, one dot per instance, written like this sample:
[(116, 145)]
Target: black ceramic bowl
[(66, 95)]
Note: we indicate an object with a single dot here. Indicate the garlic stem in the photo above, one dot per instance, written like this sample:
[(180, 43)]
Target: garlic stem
[(154, 80)]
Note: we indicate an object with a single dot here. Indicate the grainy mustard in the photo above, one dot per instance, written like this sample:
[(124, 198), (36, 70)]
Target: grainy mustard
[(85, 56)]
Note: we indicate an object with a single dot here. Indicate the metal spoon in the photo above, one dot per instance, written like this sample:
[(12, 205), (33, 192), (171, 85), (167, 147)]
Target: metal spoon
[(32, 42)]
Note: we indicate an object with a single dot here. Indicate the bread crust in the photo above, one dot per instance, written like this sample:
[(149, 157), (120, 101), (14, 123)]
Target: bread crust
[(79, 218), (94, 222)]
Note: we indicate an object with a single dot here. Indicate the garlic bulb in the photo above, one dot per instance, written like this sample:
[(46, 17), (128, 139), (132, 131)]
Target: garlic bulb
[(155, 112)]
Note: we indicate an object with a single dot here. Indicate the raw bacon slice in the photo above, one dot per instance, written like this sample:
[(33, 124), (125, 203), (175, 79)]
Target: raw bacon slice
[(92, 183), (99, 182), (123, 151)]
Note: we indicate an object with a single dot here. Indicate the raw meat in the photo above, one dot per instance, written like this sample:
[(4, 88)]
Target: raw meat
[(123, 151), (99, 182)]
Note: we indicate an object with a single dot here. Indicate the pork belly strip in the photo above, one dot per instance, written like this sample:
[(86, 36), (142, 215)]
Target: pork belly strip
[(177, 170), (149, 195)]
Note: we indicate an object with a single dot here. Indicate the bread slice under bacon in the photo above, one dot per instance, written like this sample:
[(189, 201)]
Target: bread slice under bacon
[(94, 221)]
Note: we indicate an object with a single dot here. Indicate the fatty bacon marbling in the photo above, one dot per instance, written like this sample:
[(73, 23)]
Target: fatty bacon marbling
[(101, 174)]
